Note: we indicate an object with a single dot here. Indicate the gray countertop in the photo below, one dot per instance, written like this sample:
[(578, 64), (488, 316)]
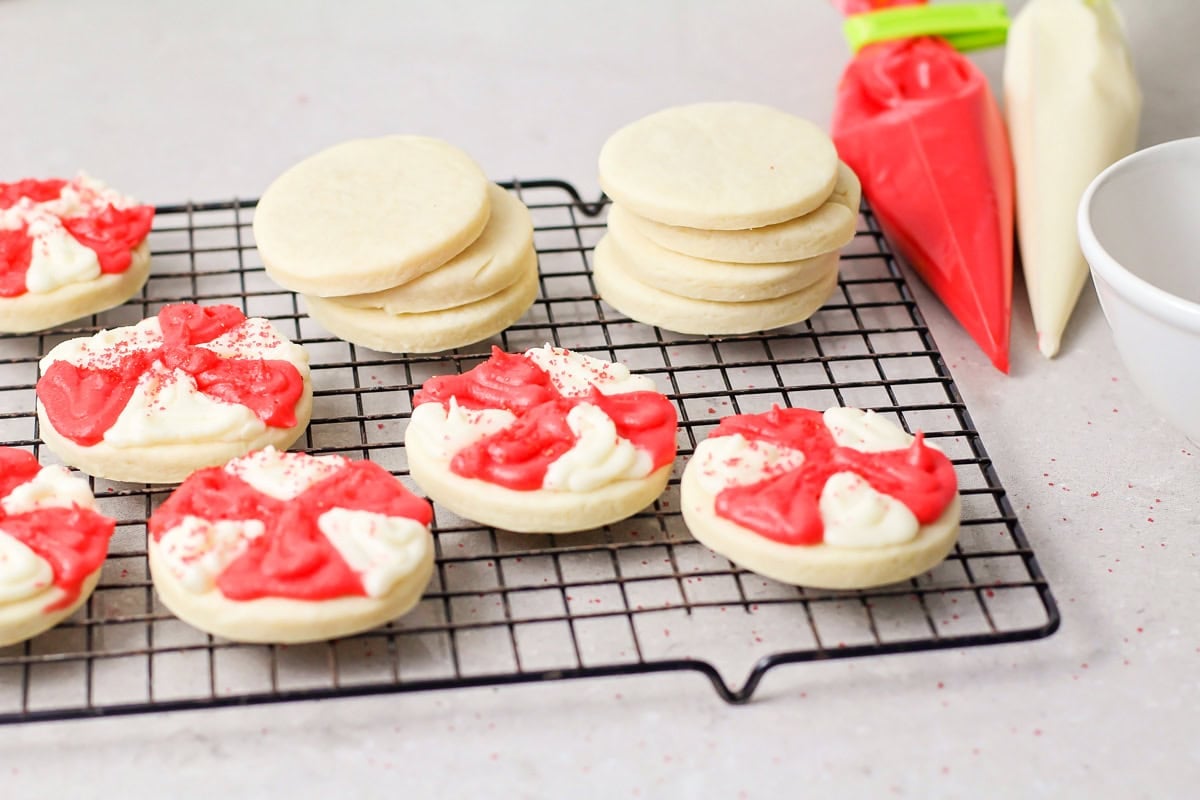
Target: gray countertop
[(211, 100)]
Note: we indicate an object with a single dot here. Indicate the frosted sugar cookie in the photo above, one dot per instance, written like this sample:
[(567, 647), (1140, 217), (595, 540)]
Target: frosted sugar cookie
[(840, 500), (701, 279), (617, 285), (722, 166), (500, 257), (193, 387), (68, 249), (429, 331), (828, 228), (370, 214), (548, 441), (287, 547), (52, 545)]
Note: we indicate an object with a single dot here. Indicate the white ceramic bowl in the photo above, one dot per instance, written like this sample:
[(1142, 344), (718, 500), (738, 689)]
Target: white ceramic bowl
[(1139, 227)]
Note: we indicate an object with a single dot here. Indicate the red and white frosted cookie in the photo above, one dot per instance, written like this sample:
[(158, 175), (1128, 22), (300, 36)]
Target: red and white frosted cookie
[(545, 442), (288, 547), (839, 500), (193, 387), (68, 249), (52, 545)]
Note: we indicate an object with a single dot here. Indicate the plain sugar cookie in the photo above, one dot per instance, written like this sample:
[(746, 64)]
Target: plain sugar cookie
[(646, 304), (548, 441), (840, 500), (281, 547), (701, 279), (370, 214), (432, 331), (501, 256), (53, 543), (828, 228), (724, 166), (68, 249), (192, 387)]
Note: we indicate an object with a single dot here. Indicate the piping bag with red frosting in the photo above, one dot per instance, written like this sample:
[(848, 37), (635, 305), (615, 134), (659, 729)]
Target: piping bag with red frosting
[(918, 123)]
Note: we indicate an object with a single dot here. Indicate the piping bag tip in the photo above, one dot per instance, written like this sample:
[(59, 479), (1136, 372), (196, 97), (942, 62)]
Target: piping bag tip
[(1048, 344)]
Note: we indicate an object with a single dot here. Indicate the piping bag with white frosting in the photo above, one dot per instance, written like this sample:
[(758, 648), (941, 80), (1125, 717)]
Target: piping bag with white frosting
[(1073, 106), (918, 123)]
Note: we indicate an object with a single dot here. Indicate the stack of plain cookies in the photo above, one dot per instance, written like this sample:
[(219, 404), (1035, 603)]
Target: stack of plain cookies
[(400, 244), (726, 218)]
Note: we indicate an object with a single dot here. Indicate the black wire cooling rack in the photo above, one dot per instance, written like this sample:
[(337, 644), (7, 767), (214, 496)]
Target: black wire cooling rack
[(636, 597)]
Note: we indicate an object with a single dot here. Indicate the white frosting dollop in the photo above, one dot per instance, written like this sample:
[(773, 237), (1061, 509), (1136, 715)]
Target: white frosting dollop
[(168, 408), (23, 573), (197, 550), (284, 475), (598, 457), (734, 460), (865, 430), (855, 515), (53, 486), (57, 258), (574, 373), (442, 431), (381, 549)]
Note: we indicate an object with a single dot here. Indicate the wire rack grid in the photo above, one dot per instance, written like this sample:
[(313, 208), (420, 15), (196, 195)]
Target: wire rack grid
[(639, 596)]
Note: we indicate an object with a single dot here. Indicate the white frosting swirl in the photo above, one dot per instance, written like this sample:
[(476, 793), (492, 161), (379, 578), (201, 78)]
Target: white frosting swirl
[(168, 408), (574, 373), (598, 457), (734, 460), (442, 431), (284, 475), (57, 258), (106, 348), (865, 430), (855, 515), (23, 573), (53, 486), (197, 550), (381, 549)]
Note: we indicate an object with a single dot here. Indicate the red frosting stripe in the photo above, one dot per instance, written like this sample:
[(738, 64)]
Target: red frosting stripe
[(270, 389), (36, 190), (518, 456), (16, 467), (785, 508), (188, 323), (113, 234), (82, 402), (73, 541), (293, 558), (16, 252), (511, 382)]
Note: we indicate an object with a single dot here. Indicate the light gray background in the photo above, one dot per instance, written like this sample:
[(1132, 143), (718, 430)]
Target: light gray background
[(206, 100)]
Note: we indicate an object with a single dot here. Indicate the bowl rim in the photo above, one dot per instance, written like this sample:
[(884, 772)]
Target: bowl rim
[(1145, 295)]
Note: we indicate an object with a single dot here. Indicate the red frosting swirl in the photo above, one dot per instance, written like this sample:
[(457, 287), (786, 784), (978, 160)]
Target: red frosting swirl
[(112, 233), (73, 541), (292, 558), (82, 402), (519, 456), (785, 507)]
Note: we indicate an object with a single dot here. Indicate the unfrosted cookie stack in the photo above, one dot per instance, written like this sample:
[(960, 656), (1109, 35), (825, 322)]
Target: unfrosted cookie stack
[(726, 218), (399, 244)]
